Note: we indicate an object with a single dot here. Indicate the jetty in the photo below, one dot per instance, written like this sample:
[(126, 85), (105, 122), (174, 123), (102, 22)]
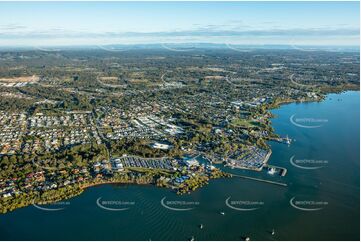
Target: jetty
[(285, 140), (261, 180)]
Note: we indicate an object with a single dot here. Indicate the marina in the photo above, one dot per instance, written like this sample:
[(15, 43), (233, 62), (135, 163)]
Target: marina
[(255, 160)]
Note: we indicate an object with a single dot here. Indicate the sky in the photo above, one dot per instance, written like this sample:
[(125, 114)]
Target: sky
[(103, 23)]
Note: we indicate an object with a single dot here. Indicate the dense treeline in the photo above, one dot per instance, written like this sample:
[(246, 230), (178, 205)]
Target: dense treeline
[(17, 166)]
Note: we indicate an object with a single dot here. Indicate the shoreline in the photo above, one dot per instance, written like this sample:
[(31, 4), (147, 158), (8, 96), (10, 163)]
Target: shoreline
[(78, 189), (110, 183)]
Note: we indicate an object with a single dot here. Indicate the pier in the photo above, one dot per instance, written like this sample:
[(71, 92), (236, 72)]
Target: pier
[(285, 140), (261, 180)]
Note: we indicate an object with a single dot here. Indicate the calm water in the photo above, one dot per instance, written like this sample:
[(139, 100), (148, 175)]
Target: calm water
[(335, 187)]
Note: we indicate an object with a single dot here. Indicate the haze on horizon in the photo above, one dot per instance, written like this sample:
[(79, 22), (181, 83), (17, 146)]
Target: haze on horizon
[(256, 23)]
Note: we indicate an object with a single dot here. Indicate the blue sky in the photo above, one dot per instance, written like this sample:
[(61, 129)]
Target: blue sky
[(87, 23)]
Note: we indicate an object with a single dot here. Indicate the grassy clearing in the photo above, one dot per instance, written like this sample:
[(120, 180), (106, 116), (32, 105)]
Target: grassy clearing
[(244, 123)]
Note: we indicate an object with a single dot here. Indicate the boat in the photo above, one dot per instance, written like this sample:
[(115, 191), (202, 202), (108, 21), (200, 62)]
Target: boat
[(273, 232), (222, 213), (288, 140), (201, 226), (192, 239), (247, 239), (272, 171)]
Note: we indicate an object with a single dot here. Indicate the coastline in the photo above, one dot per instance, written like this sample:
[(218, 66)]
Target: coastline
[(94, 184), (79, 188)]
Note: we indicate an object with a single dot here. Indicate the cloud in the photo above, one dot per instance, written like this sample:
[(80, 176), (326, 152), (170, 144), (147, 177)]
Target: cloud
[(205, 33), (11, 27), (208, 30)]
